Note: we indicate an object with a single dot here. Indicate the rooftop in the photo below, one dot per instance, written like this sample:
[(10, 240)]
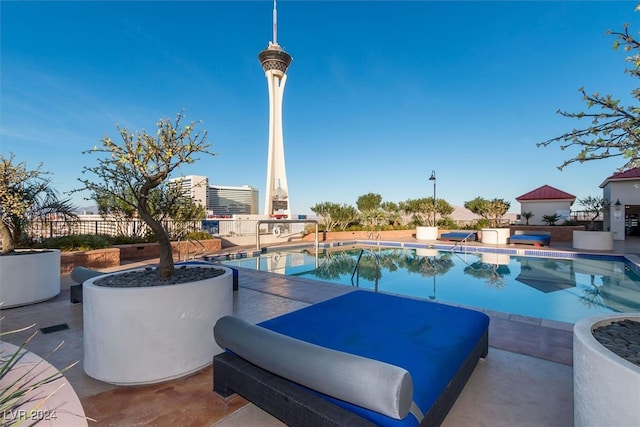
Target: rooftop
[(528, 371)]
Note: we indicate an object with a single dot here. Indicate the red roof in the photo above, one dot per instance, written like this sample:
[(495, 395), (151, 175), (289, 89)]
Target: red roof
[(621, 176), (546, 192)]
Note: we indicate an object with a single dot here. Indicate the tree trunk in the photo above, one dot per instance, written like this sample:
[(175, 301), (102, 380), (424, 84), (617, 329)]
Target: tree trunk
[(165, 266), (7, 242)]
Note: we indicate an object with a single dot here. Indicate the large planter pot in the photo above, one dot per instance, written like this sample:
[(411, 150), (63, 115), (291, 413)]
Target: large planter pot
[(495, 258), (593, 240), (495, 236), (146, 335), (427, 252), (61, 408), (605, 386), (29, 277), (426, 233)]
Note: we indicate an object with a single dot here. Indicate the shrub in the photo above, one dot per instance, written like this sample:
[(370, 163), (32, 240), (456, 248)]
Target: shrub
[(76, 242), (199, 235)]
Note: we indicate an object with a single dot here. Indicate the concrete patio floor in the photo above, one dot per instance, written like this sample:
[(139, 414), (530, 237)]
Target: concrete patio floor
[(526, 380)]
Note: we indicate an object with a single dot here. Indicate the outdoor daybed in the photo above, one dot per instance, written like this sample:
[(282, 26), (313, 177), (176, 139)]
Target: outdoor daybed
[(359, 359), (459, 236), (540, 238)]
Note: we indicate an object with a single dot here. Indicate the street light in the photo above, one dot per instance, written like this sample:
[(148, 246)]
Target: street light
[(433, 178)]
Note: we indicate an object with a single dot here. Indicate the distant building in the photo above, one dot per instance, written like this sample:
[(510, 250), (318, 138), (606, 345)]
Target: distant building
[(226, 201), (219, 200), (546, 200), (194, 186), (622, 217)]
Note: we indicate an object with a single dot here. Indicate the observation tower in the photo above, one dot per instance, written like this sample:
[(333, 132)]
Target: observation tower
[(275, 62)]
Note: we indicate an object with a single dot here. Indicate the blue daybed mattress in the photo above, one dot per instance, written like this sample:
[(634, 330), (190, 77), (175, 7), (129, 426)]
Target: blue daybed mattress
[(531, 239), (459, 236), (439, 345)]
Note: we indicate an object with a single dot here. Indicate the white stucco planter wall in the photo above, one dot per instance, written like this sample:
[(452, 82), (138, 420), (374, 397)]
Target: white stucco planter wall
[(426, 233), (495, 236), (62, 408), (495, 259), (427, 252), (29, 278), (593, 240), (606, 388), (152, 334)]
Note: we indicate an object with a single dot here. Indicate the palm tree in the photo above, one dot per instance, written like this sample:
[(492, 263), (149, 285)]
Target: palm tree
[(25, 196), (527, 216)]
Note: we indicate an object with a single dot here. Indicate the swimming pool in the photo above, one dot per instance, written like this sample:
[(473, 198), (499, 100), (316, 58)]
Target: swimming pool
[(564, 290)]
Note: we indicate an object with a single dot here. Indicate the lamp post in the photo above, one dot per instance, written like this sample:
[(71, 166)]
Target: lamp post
[(617, 210), (433, 178)]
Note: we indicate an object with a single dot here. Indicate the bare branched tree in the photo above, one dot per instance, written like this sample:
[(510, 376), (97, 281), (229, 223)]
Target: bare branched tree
[(135, 173)]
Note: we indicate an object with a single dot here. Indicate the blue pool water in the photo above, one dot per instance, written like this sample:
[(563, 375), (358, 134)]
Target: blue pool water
[(558, 289)]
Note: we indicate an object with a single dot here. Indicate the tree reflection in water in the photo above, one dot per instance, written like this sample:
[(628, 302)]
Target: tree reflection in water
[(339, 263), (493, 274)]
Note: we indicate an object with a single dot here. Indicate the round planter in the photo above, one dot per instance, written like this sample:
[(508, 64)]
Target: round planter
[(151, 334), (495, 236), (61, 408), (495, 259), (426, 233), (593, 240), (427, 252), (29, 278), (605, 386)]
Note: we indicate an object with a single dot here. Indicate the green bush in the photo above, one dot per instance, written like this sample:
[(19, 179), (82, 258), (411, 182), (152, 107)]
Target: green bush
[(76, 242), (199, 235), (447, 223), (127, 240)]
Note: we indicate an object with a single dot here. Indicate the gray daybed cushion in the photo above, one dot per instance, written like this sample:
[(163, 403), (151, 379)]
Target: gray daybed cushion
[(371, 384), (82, 274)]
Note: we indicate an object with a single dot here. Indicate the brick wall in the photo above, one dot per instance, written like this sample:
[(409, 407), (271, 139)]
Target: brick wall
[(97, 258), (112, 257), (360, 235), (559, 233)]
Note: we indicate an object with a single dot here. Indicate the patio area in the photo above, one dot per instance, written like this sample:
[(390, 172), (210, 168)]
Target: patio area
[(526, 380)]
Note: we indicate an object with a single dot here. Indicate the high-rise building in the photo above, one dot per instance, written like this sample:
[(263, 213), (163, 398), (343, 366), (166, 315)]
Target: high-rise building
[(225, 200), (275, 62), (194, 186), (219, 200)]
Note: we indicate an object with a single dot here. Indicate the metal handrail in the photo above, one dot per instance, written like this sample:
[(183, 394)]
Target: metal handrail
[(193, 241), (357, 269), (465, 241), (285, 221)]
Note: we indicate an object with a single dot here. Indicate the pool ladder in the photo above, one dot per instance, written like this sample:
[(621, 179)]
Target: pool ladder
[(356, 270), (463, 241)]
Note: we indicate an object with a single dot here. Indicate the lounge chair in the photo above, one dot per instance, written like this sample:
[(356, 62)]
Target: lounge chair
[(459, 236), (539, 238), (362, 358)]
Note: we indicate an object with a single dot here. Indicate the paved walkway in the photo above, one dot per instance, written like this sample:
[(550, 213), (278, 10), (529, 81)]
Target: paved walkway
[(526, 380)]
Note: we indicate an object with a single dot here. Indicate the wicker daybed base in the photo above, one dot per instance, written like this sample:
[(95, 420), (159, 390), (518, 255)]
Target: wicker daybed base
[(428, 344), (297, 406)]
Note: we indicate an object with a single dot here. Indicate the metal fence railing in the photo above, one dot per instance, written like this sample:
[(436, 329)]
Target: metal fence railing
[(39, 230)]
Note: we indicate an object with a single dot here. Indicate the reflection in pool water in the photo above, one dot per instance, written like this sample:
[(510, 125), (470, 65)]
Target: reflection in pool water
[(549, 288)]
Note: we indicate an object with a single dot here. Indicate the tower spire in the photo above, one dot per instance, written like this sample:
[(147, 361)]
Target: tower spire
[(275, 24), (275, 62)]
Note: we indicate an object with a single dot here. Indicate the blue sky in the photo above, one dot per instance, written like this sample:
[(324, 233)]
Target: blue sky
[(378, 95)]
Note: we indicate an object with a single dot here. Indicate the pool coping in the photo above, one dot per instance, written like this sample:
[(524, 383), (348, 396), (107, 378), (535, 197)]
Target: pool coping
[(633, 261)]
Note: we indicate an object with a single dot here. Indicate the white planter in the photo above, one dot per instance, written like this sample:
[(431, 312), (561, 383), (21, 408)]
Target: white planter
[(495, 236), (152, 334), (426, 233), (605, 386), (29, 278), (427, 252), (495, 259), (593, 240), (62, 408)]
